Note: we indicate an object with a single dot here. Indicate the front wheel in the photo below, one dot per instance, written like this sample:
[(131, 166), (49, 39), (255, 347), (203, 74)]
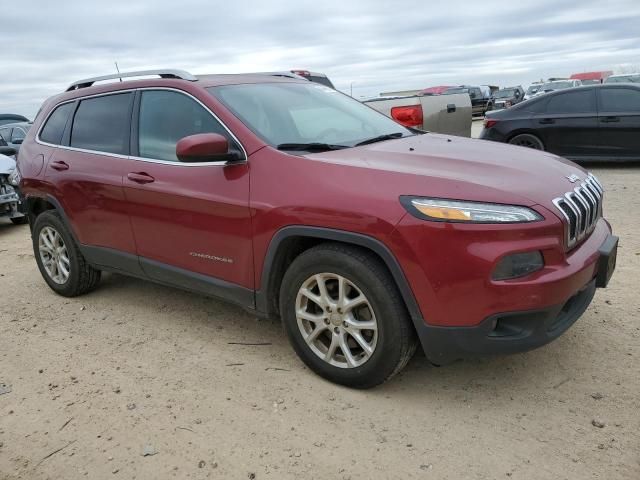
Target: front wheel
[(527, 140), (344, 316)]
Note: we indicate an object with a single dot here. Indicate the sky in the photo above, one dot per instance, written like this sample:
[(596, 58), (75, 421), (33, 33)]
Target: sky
[(369, 46)]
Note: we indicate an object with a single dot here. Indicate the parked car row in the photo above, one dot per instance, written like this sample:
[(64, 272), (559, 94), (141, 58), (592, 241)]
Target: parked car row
[(12, 135), (594, 122)]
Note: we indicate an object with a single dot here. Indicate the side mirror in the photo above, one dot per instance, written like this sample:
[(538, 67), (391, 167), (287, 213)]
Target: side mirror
[(205, 147), (8, 151), (18, 141)]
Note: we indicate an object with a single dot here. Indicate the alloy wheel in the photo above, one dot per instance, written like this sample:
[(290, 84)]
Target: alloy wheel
[(336, 320), (54, 255)]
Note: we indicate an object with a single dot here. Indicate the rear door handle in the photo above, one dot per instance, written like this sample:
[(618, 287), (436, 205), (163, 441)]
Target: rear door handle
[(140, 177), (59, 165), (451, 108), (609, 119), (547, 121)]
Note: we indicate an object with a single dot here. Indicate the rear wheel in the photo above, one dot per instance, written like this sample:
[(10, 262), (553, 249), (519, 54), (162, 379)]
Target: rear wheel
[(344, 316), (60, 262), (527, 140)]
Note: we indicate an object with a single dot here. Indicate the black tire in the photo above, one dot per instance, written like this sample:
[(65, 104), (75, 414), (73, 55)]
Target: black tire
[(396, 341), (19, 220), (82, 277), (527, 140)]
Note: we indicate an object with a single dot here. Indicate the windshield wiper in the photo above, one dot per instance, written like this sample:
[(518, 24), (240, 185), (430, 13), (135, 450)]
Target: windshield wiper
[(310, 147), (380, 138)]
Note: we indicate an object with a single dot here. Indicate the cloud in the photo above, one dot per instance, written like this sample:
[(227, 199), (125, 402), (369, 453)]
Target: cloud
[(374, 45)]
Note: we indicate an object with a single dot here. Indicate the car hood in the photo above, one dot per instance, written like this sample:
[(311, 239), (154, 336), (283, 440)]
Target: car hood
[(459, 168), (7, 165)]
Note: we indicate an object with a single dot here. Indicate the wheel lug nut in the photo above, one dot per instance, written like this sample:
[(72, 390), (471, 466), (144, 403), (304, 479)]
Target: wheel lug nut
[(336, 330), (326, 321), (345, 324)]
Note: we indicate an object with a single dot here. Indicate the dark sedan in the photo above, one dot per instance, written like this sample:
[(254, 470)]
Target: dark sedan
[(596, 122)]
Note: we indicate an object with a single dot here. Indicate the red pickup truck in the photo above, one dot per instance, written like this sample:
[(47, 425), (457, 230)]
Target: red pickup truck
[(291, 199)]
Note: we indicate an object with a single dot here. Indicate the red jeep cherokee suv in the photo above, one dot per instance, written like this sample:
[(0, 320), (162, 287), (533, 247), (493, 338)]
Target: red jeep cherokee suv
[(291, 199)]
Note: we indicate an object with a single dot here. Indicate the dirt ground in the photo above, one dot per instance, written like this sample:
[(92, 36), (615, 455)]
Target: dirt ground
[(99, 380)]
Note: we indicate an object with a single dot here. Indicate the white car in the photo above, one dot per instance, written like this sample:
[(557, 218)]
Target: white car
[(624, 78), (9, 198), (557, 85)]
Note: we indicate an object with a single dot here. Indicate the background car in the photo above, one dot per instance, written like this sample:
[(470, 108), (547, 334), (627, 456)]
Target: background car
[(624, 78), (596, 122), (11, 118), (13, 134), (532, 90), (481, 101), (557, 85), (507, 97), (9, 198)]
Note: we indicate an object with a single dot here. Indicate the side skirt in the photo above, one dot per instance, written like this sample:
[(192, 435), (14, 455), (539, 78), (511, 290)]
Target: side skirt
[(127, 264)]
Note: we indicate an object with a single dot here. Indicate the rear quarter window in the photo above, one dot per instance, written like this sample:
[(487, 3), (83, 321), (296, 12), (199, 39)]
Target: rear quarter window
[(54, 126), (619, 100)]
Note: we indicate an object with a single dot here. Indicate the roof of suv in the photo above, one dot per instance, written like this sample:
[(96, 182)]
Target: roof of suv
[(166, 78)]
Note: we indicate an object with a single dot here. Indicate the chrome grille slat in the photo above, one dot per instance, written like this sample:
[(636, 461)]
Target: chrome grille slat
[(581, 208)]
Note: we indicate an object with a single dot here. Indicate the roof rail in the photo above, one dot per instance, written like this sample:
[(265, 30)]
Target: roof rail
[(87, 82)]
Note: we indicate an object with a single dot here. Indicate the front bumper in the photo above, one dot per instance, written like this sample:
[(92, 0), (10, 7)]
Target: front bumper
[(10, 202), (518, 331)]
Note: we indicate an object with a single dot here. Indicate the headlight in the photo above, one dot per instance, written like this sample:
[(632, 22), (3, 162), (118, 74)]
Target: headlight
[(14, 178), (443, 210)]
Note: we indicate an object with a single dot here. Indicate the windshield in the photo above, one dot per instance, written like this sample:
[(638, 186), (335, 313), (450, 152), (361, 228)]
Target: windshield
[(557, 85), (506, 93), (533, 89), (634, 78), (298, 113)]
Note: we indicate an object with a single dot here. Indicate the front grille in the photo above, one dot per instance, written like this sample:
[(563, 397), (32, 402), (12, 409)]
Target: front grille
[(581, 208)]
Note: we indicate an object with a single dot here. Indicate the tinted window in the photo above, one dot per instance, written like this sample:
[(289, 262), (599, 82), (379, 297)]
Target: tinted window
[(572, 102), (17, 134), (102, 124), (5, 134), (166, 117), (54, 128), (619, 100)]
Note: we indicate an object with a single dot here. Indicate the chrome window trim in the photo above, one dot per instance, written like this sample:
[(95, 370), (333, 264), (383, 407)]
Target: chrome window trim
[(220, 163)]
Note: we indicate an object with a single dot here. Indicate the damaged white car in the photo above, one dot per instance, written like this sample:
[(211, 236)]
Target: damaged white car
[(9, 198)]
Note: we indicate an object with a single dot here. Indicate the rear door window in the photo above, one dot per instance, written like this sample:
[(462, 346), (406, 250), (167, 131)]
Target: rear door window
[(582, 101), (54, 127), (619, 100), (101, 124), (5, 134)]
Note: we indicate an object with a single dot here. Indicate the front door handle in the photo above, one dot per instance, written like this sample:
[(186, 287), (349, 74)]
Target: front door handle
[(451, 108), (140, 177), (609, 119), (547, 121), (59, 165)]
